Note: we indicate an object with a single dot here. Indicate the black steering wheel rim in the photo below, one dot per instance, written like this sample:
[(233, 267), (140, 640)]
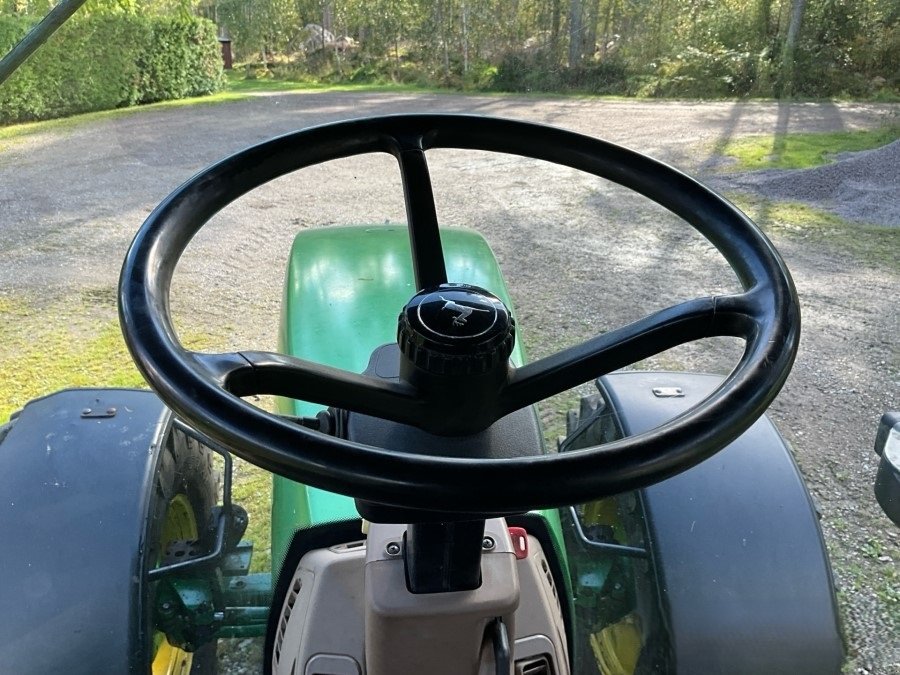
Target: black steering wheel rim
[(194, 385)]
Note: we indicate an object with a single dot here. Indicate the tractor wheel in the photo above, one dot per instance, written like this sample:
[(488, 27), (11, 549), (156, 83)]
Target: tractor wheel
[(185, 493), (95, 484)]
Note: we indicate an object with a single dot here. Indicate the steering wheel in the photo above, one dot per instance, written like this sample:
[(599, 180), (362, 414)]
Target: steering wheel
[(205, 389)]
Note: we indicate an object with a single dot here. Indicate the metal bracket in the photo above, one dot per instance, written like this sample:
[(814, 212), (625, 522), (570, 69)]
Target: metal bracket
[(613, 549), (223, 522), (668, 392), (100, 412)]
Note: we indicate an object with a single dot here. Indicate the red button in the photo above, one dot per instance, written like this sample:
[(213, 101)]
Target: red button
[(519, 542)]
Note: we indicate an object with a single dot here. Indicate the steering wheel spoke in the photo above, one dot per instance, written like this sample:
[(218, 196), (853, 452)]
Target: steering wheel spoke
[(731, 315), (424, 236), (254, 373)]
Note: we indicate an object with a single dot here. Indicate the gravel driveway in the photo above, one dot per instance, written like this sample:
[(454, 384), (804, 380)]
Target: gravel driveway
[(580, 255)]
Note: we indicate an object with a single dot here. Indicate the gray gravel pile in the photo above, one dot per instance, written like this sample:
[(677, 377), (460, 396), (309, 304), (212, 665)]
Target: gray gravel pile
[(860, 186)]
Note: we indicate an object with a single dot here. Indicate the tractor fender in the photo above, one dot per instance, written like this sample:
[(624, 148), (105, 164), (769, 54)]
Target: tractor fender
[(76, 479), (744, 578)]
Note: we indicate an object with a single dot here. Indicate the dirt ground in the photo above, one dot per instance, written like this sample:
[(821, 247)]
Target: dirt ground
[(581, 256)]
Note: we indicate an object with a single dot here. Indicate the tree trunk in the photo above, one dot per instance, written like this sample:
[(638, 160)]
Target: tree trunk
[(396, 57), (763, 20), (590, 29), (555, 21), (576, 39), (790, 48), (465, 40), (606, 35), (327, 19), (660, 22)]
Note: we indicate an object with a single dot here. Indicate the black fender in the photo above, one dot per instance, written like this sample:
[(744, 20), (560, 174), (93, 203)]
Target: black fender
[(743, 574), (76, 480)]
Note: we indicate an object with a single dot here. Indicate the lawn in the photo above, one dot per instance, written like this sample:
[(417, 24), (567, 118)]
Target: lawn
[(802, 151)]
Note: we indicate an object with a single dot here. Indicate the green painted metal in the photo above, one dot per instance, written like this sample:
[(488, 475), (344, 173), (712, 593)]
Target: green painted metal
[(251, 590), (247, 631), (194, 610), (244, 622), (345, 287), (185, 610)]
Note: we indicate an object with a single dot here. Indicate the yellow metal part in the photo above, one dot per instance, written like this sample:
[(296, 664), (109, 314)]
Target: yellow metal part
[(179, 524), (170, 660), (604, 512), (617, 647)]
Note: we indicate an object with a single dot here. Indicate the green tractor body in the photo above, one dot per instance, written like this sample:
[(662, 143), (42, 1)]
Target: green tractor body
[(368, 273)]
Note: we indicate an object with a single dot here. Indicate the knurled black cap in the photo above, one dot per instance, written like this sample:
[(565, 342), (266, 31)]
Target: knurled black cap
[(456, 329)]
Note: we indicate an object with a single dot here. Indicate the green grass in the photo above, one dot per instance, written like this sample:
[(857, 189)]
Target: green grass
[(72, 342), (237, 84), (16, 131), (252, 489), (39, 355), (868, 244), (801, 151)]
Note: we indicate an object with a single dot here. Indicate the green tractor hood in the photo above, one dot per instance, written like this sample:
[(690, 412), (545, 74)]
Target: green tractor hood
[(343, 292)]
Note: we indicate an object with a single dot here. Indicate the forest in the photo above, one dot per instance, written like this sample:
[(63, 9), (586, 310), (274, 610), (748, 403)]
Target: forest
[(656, 48), (705, 48)]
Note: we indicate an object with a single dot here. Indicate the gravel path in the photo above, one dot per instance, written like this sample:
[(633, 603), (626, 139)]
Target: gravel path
[(581, 256), (863, 187)]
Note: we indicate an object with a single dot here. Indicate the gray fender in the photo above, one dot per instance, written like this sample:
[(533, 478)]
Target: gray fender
[(744, 577), (74, 493)]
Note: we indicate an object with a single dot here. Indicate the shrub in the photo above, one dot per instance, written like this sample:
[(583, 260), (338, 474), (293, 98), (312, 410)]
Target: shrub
[(182, 59), (713, 72), (528, 71), (601, 77), (540, 71), (99, 62), (481, 76), (21, 92)]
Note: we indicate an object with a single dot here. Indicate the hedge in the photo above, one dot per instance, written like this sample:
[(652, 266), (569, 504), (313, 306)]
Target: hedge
[(100, 62)]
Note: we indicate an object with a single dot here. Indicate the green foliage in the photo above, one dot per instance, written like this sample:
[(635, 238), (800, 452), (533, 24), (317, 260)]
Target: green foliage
[(541, 71), (696, 48), (714, 72), (480, 76), (182, 60), (258, 26), (108, 60), (535, 71), (848, 50), (687, 48)]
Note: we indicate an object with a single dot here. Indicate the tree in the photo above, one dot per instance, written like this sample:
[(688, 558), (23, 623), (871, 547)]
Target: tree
[(790, 47), (576, 39)]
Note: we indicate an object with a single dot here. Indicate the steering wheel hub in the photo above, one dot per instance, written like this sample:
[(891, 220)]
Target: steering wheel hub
[(456, 330)]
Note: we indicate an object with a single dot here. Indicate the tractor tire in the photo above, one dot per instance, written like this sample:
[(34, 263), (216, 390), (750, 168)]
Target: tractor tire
[(186, 490), (94, 481)]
